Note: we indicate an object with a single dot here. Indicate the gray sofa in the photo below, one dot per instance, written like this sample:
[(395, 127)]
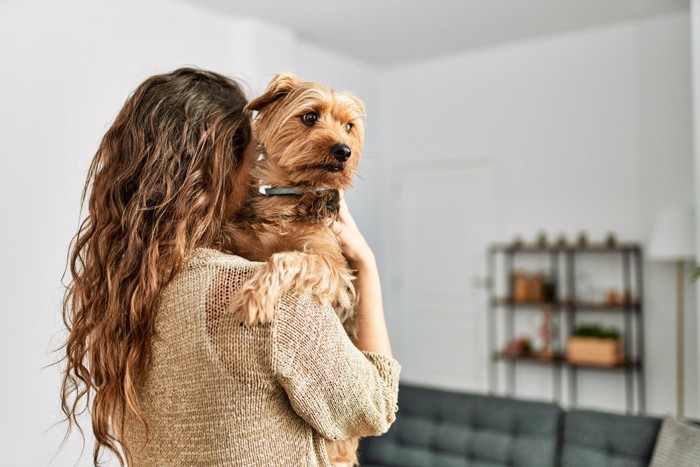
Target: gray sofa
[(450, 429)]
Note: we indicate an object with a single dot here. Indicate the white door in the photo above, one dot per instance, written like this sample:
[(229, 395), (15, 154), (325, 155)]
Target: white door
[(444, 221)]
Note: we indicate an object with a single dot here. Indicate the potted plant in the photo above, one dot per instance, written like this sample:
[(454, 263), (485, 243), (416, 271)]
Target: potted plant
[(592, 344)]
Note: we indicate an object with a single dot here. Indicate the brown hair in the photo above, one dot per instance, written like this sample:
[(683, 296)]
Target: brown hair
[(160, 181)]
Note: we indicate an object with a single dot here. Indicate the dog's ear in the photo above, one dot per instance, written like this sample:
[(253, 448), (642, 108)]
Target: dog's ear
[(278, 87), (360, 104)]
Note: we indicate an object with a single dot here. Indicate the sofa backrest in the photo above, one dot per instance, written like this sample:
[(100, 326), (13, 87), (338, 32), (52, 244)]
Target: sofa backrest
[(443, 428), (598, 438)]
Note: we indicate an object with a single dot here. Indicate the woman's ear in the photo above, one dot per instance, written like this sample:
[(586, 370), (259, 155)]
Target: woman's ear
[(278, 87)]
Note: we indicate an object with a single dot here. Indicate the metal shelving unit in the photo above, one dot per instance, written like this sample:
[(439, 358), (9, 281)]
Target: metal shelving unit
[(565, 311)]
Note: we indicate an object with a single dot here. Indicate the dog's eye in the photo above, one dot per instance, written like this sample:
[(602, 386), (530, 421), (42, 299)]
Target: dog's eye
[(348, 127), (310, 118)]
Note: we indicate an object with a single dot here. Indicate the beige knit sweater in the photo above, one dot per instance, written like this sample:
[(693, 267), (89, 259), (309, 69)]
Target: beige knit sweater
[(223, 394)]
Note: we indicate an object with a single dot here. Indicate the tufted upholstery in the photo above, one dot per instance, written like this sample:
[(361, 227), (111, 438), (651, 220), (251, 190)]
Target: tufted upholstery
[(597, 438), (441, 428)]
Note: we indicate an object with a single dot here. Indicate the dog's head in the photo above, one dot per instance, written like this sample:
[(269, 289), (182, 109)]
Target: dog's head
[(311, 133)]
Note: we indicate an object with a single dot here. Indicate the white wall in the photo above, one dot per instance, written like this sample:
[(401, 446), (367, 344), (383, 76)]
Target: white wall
[(590, 131)]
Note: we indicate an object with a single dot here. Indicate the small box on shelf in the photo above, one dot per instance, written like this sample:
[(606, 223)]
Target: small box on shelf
[(532, 287), (593, 351), (595, 345)]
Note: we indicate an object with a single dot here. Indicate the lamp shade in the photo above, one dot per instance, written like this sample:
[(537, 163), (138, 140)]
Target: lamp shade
[(673, 235)]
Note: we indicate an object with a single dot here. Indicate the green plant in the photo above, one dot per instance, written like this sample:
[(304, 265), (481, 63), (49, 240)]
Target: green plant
[(596, 331), (696, 274)]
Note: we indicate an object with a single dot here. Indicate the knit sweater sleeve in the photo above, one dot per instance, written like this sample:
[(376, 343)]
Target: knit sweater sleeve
[(339, 390)]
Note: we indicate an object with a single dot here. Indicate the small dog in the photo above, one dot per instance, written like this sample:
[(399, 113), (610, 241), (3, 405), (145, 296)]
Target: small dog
[(310, 139)]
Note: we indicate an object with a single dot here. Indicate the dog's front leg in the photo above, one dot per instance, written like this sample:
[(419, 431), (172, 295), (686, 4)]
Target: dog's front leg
[(337, 288), (256, 299)]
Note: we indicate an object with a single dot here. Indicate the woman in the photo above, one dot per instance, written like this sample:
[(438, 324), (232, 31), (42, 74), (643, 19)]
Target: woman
[(174, 380)]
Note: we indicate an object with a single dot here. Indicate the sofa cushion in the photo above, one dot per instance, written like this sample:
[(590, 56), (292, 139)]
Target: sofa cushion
[(612, 440), (444, 428), (678, 444)]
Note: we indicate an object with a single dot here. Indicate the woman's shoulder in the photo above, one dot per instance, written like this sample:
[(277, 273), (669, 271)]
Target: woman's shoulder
[(205, 256), (223, 273)]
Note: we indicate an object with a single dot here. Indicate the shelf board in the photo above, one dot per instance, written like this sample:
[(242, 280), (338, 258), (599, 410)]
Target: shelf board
[(581, 305), (590, 248), (568, 304), (561, 360), (530, 303), (532, 357), (634, 363)]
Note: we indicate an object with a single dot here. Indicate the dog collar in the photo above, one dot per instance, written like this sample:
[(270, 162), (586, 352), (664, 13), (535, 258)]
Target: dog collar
[(267, 190)]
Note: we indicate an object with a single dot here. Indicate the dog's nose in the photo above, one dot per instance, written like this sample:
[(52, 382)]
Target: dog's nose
[(341, 152)]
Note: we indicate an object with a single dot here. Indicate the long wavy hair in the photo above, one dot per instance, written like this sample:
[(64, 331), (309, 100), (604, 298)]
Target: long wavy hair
[(159, 182)]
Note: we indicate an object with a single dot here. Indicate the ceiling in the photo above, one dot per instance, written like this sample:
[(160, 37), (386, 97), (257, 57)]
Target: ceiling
[(389, 32)]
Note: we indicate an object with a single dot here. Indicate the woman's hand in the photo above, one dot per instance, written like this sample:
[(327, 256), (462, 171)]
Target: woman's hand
[(355, 247)]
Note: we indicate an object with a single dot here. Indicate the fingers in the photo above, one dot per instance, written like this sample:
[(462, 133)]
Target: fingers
[(342, 197), (342, 204), (338, 223), (342, 207), (337, 227)]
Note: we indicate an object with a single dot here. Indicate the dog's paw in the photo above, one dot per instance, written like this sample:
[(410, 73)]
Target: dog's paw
[(252, 307)]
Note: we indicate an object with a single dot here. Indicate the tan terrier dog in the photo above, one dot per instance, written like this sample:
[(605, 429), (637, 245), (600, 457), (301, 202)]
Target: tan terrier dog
[(310, 138)]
